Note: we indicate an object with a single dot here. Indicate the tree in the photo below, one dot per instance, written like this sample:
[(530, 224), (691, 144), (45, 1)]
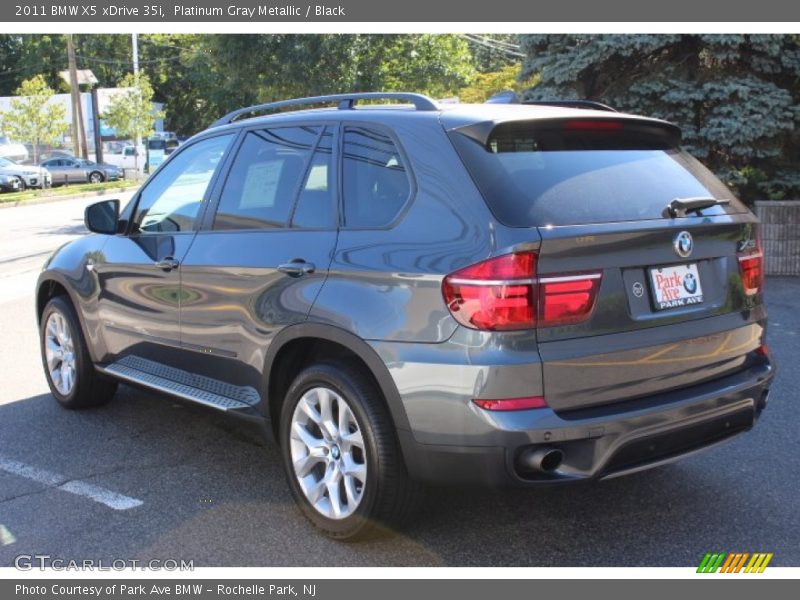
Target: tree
[(486, 85), (33, 117), (295, 65), (131, 113), (736, 97)]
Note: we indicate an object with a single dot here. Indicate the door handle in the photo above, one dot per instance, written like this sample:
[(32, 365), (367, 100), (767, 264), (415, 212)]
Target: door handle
[(167, 264), (296, 268)]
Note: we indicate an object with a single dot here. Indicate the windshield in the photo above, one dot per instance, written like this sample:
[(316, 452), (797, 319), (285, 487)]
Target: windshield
[(5, 162)]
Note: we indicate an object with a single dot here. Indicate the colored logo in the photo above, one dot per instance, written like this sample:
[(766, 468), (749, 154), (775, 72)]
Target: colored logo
[(737, 562), (683, 244), (690, 283)]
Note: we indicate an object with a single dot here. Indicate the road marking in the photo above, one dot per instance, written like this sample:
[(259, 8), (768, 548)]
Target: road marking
[(6, 537), (79, 488)]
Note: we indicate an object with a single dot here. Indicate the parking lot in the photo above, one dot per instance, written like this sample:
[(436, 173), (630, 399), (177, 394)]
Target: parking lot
[(144, 478)]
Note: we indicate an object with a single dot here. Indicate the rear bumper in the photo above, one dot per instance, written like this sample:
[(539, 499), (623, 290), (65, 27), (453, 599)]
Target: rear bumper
[(602, 442)]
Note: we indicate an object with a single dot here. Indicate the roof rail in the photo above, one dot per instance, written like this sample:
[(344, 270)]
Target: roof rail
[(346, 102), (509, 97)]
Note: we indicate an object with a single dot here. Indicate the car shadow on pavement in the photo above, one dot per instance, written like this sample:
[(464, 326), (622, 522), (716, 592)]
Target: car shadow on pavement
[(76, 228), (213, 491)]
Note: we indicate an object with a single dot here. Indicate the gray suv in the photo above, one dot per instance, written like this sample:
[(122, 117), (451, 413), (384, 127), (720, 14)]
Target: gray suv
[(406, 293)]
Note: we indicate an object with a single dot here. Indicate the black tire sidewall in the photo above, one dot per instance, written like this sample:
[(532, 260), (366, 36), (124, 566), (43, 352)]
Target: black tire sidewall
[(82, 361), (344, 382), (99, 175)]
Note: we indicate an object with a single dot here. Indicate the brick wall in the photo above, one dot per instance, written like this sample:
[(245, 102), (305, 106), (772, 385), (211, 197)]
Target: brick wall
[(780, 235)]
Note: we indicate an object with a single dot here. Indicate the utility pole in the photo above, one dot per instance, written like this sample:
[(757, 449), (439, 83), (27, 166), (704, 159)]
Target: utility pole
[(75, 95), (135, 43), (98, 140), (79, 132)]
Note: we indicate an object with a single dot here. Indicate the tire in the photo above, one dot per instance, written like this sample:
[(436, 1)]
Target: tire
[(60, 331), (384, 497), (22, 185), (96, 177)]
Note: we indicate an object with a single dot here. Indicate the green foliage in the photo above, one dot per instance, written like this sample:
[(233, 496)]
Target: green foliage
[(33, 118), (486, 85), (131, 114), (736, 97), (305, 65), (200, 77)]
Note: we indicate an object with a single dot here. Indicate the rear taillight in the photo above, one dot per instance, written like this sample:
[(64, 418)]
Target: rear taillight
[(503, 293), (567, 300), (496, 294), (751, 265)]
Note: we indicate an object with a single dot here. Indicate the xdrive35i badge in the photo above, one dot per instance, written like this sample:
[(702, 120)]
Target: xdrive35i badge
[(683, 244)]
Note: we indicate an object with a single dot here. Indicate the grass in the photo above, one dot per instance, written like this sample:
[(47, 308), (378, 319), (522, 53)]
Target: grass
[(69, 190)]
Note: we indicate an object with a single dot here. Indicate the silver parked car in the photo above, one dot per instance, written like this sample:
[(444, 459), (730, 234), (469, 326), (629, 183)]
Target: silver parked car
[(27, 175), (68, 169)]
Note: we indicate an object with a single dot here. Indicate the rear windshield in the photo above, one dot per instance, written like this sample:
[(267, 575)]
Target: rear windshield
[(561, 176)]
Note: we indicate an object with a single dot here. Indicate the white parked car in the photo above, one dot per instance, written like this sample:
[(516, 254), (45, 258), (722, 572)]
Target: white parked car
[(13, 150), (29, 176), (127, 158)]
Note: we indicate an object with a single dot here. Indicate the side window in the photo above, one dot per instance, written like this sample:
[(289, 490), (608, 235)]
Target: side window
[(171, 200), (374, 178), (265, 177), (314, 207)]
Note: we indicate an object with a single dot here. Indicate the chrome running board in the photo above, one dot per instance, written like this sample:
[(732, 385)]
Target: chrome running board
[(182, 384)]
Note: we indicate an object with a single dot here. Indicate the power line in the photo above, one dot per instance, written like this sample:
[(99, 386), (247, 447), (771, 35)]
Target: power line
[(510, 50), (120, 61), (493, 45)]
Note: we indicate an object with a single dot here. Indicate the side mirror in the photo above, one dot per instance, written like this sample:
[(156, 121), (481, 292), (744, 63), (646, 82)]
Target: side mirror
[(102, 217)]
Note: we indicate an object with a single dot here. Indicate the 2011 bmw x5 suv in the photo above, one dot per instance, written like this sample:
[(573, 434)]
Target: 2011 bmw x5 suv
[(493, 294)]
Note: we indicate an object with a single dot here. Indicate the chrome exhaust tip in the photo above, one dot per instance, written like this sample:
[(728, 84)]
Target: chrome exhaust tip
[(540, 460)]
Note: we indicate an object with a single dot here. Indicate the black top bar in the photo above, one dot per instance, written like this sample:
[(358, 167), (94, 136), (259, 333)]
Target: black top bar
[(509, 97), (590, 104), (345, 101)]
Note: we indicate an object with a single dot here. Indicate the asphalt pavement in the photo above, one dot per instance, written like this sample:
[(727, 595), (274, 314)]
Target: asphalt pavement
[(146, 478)]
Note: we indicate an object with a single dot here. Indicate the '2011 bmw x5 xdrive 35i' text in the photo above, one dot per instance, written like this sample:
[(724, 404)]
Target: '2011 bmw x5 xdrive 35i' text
[(410, 293)]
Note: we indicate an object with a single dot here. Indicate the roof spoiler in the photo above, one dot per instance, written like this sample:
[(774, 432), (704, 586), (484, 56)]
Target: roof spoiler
[(664, 133)]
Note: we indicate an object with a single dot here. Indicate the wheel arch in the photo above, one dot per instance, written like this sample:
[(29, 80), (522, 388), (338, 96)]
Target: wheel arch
[(52, 284), (299, 345), (48, 288)]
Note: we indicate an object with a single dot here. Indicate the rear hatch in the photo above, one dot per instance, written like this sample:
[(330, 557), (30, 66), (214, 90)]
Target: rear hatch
[(634, 298)]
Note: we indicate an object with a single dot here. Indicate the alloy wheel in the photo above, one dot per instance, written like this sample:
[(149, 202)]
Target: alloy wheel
[(328, 453), (60, 353)]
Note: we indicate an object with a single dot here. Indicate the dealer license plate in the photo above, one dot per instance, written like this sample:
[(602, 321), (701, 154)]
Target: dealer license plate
[(675, 286)]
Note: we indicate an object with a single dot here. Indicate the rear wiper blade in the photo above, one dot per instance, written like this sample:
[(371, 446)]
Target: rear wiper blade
[(680, 207)]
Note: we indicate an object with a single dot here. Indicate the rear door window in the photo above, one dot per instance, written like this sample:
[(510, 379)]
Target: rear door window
[(562, 176)]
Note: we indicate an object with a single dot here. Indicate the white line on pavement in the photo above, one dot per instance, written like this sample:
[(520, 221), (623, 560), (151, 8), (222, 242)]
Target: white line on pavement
[(59, 482)]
